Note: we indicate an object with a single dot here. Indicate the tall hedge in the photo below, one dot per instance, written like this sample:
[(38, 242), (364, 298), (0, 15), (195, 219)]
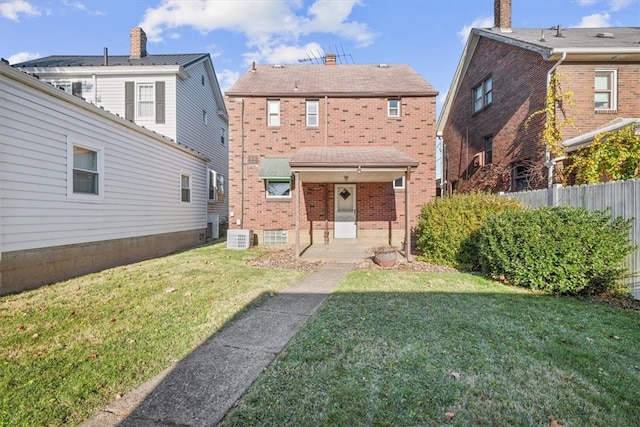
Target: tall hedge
[(447, 226), (559, 250)]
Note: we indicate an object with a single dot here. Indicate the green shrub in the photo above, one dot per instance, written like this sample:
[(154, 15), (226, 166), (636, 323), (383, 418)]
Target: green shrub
[(446, 228), (559, 250)]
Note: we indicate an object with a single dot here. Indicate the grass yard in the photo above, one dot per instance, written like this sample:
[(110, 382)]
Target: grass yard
[(394, 348), (68, 349)]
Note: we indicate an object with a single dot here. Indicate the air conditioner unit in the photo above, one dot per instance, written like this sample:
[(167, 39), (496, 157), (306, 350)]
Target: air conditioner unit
[(239, 239)]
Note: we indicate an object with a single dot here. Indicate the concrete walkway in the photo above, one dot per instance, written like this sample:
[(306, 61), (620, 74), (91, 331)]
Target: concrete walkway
[(201, 388)]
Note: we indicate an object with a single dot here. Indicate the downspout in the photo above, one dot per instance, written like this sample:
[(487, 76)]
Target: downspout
[(326, 120), (548, 162), (241, 163)]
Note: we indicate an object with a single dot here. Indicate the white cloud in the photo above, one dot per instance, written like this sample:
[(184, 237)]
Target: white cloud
[(613, 5), (486, 22), (272, 27), (282, 53), (596, 20), (12, 9), (22, 57), (75, 4), (226, 79)]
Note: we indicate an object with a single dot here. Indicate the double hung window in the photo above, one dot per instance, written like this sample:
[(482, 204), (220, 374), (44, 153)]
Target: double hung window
[(312, 112), (483, 95)]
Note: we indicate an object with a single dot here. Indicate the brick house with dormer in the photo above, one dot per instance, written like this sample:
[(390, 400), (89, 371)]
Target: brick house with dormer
[(490, 141), (327, 152)]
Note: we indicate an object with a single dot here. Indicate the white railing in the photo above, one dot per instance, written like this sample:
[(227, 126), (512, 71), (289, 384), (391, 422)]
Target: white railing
[(622, 197)]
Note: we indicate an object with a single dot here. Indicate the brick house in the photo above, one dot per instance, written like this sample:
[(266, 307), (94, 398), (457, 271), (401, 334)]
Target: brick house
[(326, 152), (491, 140)]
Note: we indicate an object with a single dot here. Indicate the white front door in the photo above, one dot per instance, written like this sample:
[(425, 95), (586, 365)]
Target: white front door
[(345, 215)]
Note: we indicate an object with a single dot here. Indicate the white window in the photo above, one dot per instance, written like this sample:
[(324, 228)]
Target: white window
[(278, 188), (145, 100), (85, 172), (398, 184), (205, 119), (273, 112), (185, 188), (483, 95), (605, 90), (393, 108), (312, 112), (215, 185)]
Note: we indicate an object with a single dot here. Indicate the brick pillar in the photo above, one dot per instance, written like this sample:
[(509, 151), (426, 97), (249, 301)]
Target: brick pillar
[(138, 43), (502, 15)]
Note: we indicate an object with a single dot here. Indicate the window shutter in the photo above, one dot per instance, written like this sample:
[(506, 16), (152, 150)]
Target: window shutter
[(129, 100), (76, 89), (159, 102)]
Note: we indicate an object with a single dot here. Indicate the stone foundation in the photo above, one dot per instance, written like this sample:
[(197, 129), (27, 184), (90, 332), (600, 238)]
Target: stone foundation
[(28, 269)]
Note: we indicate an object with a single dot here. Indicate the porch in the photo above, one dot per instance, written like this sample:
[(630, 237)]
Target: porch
[(341, 251)]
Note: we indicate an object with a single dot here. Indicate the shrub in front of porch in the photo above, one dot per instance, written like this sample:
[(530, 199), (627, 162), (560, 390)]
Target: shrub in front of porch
[(560, 250), (447, 227)]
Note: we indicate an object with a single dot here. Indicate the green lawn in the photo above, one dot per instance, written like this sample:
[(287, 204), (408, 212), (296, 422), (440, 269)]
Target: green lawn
[(396, 348), (69, 349)]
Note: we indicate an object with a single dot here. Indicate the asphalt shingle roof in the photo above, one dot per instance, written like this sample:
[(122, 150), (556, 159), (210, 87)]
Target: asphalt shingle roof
[(117, 60), (351, 156), (335, 80), (609, 38)]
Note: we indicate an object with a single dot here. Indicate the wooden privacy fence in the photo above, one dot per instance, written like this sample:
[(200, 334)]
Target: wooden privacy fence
[(622, 197)]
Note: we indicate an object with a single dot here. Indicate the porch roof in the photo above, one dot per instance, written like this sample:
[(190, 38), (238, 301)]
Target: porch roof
[(351, 164)]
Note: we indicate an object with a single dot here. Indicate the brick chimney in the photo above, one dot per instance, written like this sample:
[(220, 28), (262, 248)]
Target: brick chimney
[(330, 59), (502, 15), (138, 43)]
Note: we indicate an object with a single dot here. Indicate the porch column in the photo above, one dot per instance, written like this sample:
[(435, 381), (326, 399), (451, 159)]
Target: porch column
[(407, 231), (298, 184)]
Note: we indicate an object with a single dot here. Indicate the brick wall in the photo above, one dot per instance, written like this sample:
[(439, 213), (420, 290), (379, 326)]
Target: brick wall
[(343, 121), (580, 78), (519, 87)]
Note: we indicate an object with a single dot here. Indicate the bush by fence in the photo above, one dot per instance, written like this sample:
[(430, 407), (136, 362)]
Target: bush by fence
[(446, 227), (561, 250)]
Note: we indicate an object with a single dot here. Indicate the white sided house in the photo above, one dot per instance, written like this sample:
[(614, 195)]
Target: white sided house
[(175, 95), (82, 189)]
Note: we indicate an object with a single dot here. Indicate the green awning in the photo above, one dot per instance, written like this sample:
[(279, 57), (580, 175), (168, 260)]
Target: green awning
[(275, 168)]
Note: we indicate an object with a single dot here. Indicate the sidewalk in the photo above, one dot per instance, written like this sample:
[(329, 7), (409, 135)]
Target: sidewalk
[(201, 388)]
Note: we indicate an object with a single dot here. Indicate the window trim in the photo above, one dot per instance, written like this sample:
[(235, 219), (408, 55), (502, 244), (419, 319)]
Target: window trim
[(182, 188), (217, 179), (205, 118), (278, 180), (273, 116), (486, 96), (398, 108), (223, 132), (613, 91), (310, 115), (402, 186), (151, 115), (71, 144)]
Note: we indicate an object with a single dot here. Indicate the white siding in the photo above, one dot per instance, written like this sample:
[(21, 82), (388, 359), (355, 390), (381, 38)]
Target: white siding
[(110, 95), (142, 173), (192, 98)]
